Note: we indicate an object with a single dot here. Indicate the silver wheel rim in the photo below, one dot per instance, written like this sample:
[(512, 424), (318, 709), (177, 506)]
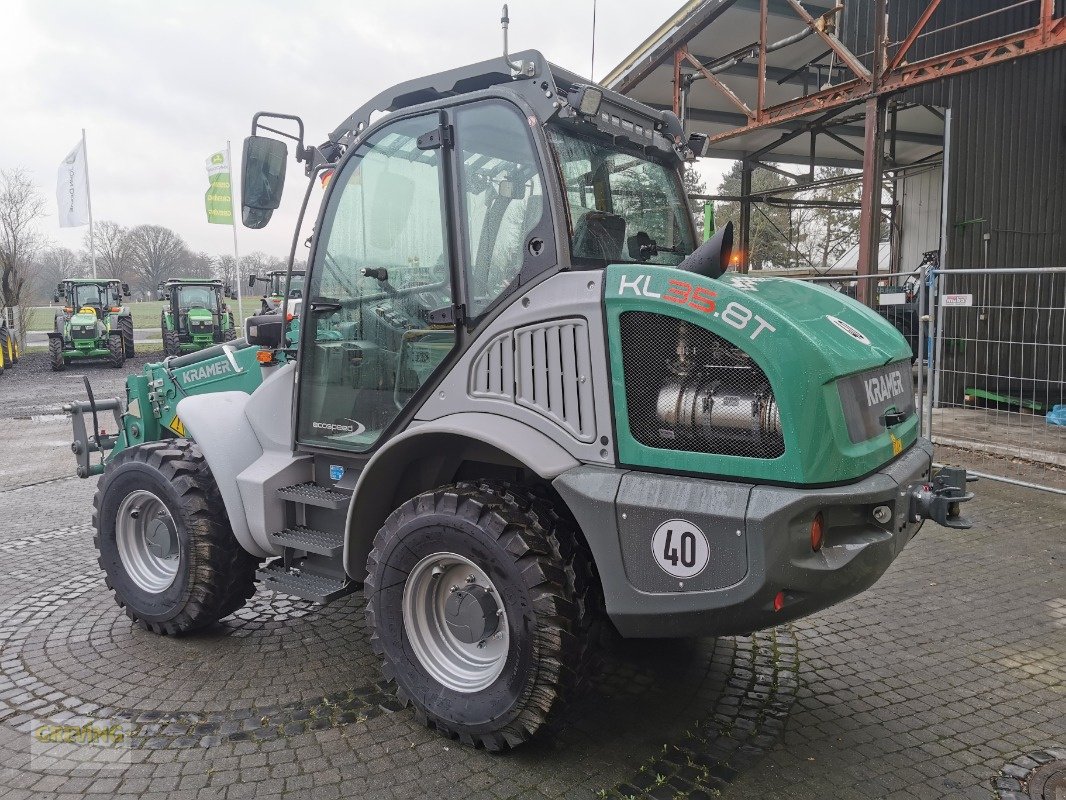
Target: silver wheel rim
[(147, 541), (461, 666)]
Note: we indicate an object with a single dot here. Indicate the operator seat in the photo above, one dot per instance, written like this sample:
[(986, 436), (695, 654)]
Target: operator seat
[(600, 235)]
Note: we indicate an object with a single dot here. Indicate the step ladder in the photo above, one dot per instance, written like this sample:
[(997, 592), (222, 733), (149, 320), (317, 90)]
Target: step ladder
[(312, 543)]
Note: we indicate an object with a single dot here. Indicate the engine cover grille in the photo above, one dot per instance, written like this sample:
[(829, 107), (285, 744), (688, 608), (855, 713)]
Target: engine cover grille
[(689, 389)]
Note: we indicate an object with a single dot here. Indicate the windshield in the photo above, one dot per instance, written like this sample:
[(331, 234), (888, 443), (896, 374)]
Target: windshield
[(623, 207), (89, 295), (296, 285), (202, 296)]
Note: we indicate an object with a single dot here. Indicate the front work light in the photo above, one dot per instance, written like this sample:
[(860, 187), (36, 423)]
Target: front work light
[(586, 99)]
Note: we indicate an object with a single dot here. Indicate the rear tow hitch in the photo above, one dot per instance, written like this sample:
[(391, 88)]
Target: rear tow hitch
[(940, 498)]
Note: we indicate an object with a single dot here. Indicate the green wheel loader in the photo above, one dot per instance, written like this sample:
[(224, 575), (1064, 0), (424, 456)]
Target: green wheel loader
[(524, 404), (91, 323), (195, 315)]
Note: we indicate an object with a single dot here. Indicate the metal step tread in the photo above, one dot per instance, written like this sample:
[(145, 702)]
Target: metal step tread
[(311, 494), (308, 585), (300, 537)]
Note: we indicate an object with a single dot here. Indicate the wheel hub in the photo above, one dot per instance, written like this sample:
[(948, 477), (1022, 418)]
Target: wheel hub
[(472, 614), (455, 622), (146, 537), (161, 539)]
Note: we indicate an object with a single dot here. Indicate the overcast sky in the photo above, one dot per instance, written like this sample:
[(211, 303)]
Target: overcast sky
[(159, 87)]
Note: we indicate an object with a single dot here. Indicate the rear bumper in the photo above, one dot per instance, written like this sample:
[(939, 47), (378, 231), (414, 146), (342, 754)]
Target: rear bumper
[(759, 538)]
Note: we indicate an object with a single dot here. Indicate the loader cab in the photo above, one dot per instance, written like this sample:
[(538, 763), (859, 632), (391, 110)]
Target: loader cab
[(437, 215)]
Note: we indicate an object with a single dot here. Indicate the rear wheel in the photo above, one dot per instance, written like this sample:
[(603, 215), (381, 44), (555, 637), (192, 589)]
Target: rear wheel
[(55, 354), (231, 332), (171, 344), (126, 326), (164, 541), (479, 604), (116, 350)]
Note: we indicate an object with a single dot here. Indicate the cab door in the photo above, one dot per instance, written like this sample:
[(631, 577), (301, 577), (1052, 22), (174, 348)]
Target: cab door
[(382, 264)]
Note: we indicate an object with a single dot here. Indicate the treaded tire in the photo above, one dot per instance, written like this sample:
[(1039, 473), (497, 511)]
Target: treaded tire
[(550, 595), (171, 343), (55, 354), (116, 349), (230, 333), (215, 577), (125, 324)]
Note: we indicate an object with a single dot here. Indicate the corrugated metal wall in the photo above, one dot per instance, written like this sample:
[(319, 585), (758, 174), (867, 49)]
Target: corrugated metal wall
[(1006, 170), (920, 196)]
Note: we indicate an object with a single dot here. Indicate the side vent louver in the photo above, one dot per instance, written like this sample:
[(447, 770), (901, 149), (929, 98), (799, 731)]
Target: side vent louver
[(545, 368)]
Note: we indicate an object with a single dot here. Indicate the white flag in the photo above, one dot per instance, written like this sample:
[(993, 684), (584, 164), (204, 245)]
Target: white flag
[(72, 189)]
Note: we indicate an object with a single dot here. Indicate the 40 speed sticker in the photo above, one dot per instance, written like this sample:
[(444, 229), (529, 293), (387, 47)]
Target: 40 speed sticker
[(680, 548)]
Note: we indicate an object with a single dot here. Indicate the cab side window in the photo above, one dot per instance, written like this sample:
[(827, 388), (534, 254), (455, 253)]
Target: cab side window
[(503, 198)]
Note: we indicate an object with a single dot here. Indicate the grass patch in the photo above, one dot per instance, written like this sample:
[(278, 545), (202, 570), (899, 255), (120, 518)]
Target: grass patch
[(145, 314)]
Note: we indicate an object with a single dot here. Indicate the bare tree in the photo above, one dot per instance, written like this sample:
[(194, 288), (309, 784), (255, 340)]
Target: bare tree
[(53, 264), (112, 250), (21, 205), (155, 254)]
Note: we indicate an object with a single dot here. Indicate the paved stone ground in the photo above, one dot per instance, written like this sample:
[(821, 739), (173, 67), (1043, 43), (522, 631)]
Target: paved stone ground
[(925, 686)]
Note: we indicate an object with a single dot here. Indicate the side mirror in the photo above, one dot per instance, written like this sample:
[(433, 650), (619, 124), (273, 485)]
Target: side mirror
[(59, 288), (55, 297), (126, 289), (711, 259), (262, 179), (265, 330)]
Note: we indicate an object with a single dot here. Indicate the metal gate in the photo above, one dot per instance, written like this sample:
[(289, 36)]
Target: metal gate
[(989, 348)]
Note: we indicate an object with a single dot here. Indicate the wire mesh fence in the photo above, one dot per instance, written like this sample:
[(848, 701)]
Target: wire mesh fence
[(989, 363)]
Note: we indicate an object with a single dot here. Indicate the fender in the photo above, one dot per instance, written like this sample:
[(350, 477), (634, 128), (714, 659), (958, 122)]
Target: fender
[(438, 448), (217, 423)]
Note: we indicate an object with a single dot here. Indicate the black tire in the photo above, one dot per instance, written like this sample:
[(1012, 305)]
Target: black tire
[(125, 324), (547, 584), (55, 354), (231, 332), (116, 349), (171, 343), (215, 575)]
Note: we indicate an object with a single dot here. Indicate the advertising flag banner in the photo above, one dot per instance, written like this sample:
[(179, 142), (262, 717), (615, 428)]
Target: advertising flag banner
[(218, 200), (72, 189)]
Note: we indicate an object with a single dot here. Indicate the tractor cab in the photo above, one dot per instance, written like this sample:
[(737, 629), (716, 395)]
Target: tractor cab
[(195, 315), (280, 287)]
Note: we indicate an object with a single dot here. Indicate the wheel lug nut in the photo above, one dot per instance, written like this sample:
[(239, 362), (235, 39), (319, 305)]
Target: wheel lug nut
[(454, 589), (470, 579)]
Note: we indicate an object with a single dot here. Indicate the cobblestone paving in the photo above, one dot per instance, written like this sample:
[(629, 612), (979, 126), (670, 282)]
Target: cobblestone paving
[(926, 686)]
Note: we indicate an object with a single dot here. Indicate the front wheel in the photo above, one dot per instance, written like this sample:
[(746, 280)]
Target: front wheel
[(126, 326), (171, 343), (55, 354), (231, 332), (165, 543), (116, 351), (479, 603)]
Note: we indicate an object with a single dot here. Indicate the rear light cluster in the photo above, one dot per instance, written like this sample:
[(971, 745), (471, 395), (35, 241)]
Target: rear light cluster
[(817, 532)]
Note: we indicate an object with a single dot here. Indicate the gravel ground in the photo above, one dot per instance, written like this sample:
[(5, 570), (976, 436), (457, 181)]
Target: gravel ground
[(31, 388)]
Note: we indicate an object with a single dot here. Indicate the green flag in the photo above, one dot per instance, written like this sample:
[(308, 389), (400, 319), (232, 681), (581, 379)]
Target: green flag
[(219, 199)]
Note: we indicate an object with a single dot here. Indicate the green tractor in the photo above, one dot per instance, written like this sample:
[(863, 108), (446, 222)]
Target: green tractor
[(195, 316), (92, 323), (280, 287), (524, 404), (9, 349)]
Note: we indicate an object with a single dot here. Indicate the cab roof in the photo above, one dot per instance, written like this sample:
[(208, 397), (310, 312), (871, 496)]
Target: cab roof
[(545, 87)]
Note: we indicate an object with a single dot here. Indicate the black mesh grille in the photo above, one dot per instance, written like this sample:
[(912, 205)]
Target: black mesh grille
[(689, 389)]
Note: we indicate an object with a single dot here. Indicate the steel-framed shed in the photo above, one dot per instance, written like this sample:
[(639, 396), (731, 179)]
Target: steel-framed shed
[(858, 83)]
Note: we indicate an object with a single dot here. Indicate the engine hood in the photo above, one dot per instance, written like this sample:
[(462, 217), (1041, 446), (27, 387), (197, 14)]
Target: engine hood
[(806, 339)]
